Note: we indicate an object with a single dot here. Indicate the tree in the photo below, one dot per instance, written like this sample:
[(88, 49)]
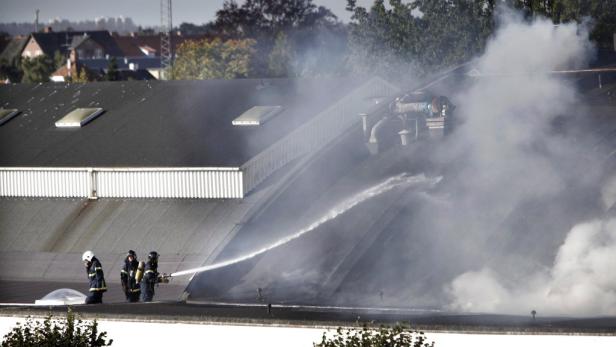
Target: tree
[(602, 12), (453, 32), (37, 69), (10, 70), (193, 29), (311, 30), (419, 36), (211, 59), (82, 77), (112, 73), (56, 332), (281, 57), (146, 31), (396, 336), (379, 39), (266, 18), (58, 60)]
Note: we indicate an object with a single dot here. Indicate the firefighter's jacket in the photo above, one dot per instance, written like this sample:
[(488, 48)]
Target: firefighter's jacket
[(127, 276), (150, 274), (96, 276)]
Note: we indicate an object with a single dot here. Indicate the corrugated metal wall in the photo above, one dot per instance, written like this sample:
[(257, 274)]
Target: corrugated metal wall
[(169, 183), (47, 182), (122, 182), (317, 133)]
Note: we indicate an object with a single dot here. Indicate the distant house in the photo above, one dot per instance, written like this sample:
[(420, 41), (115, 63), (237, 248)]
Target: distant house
[(12, 51), (88, 43), (94, 54), (144, 50), (87, 48), (137, 56)]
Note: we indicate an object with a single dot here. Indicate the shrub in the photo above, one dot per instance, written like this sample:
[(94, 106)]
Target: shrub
[(53, 331), (396, 336)]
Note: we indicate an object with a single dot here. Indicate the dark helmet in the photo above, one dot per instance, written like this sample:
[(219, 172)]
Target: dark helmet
[(153, 255), (131, 253)]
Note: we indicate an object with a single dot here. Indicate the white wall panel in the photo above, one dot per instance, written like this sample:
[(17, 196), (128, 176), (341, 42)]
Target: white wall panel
[(122, 182), (44, 182), (170, 183)]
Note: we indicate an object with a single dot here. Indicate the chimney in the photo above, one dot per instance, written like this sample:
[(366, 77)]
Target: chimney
[(36, 21), (48, 29), (71, 63)]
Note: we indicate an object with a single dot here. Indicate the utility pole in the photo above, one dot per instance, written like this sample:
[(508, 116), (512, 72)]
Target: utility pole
[(36, 19), (166, 53)]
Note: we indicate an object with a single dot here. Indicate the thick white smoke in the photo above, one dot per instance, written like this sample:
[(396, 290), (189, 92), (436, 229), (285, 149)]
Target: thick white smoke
[(581, 281), (507, 117), (513, 157)]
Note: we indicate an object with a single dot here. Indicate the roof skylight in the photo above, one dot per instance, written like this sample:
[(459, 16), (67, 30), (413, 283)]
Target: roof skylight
[(257, 115), (78, 117), (6, 114)]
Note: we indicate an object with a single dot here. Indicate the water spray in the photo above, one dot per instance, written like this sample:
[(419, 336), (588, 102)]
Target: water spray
[(400, 180)]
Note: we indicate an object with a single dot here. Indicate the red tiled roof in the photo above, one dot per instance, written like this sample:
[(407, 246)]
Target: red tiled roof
[(129, 45), (62, 71)]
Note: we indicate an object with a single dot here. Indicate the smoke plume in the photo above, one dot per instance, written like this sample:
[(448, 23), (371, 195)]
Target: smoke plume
[(522, 181), (579, 283)]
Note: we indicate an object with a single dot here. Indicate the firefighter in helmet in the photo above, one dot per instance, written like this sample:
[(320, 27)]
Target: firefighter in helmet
[(96, 277), (150, 277), (131, 287)]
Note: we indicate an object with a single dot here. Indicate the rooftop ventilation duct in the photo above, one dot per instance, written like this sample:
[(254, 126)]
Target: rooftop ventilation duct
[(6, 114), (78, 117), (257, 115)]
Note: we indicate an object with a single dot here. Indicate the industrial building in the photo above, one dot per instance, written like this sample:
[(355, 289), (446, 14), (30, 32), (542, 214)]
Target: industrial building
[(175, 166), (312, 192)]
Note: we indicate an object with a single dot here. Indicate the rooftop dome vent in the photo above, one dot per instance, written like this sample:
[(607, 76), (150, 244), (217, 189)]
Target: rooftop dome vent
[(6, 114), (257, 115), (78, 117)]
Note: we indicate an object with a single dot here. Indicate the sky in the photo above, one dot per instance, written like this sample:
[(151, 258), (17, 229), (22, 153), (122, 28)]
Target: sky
[(142, 12)]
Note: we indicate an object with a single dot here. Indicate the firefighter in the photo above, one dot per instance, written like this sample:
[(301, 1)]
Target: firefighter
[(150, 277), (127, 276), (96, 277)]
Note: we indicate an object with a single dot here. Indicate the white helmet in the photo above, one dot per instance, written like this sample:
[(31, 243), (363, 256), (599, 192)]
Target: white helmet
[(87, 256)]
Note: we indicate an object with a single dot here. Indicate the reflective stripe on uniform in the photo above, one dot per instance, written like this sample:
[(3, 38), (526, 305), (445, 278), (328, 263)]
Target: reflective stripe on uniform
[(123, 271), (92, 275), (98, 289), (147, 271)]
